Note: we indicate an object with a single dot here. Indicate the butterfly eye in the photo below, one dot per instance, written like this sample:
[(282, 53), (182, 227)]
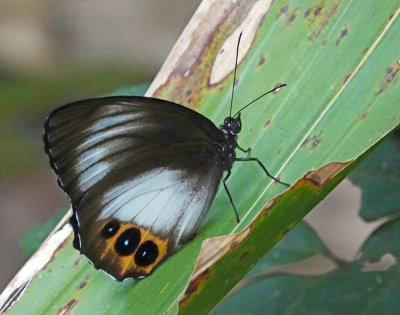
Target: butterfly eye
[(235, 128), (228, 122), (127, 242), (110, 229), (146, 254)]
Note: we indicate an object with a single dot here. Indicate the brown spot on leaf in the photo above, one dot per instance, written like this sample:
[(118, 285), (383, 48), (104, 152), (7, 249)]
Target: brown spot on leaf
[(261, 61), (188, 92), (194, 286), (287, 229), (214, 248), (292, 16), (321, 176), (347, 76), (363, 116), (307, 13), (315, 143), (343, 33), (83, 283), (264, 212), (268, 122), (67, 309), (211, 250), (190, 68), (325, 19), (77, 261), (244, 255), (366, 49), (304, 143), (389, 77), (282, 11)]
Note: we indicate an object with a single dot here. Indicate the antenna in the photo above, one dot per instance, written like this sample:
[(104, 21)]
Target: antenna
[(261, 96), (234, 74)]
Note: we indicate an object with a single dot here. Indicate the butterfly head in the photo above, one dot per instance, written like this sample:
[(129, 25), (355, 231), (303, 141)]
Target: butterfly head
[(232, 125)]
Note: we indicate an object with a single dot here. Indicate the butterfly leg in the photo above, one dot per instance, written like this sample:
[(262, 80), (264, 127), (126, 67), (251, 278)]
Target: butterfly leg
[(243, 150), (229, 195), (243, 159)]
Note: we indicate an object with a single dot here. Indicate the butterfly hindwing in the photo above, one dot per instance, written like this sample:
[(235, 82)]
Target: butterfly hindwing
[(141, 173)]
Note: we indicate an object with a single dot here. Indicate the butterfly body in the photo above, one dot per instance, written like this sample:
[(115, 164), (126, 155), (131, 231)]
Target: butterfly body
[(141, 174), (230, 129)]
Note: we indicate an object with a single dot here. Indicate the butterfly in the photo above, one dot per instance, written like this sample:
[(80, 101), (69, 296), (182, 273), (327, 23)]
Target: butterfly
[(141, 174)]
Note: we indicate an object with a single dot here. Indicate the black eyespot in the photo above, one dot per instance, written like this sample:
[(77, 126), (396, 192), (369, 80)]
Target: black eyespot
[(146, 254), (127, 242), (110, 229)]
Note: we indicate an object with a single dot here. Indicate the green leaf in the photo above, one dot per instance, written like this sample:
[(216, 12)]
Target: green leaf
[(382, 167), (299, 243), (37, 234), (354, 287), (351, 289), (339, 102)]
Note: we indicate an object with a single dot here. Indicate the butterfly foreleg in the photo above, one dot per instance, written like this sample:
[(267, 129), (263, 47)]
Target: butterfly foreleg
[(229, 195), (243, 150), (243, 159)]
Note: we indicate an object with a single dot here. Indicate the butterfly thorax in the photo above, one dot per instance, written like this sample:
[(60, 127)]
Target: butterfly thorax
[(226, 149)]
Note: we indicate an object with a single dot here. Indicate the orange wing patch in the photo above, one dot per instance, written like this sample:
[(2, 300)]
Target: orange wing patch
[(123, 249)]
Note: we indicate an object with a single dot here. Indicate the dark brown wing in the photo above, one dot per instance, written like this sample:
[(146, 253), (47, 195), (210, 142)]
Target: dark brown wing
[(141, 174)]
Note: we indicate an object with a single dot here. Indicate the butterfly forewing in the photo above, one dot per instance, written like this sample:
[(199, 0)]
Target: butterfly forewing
[(140, 172)]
